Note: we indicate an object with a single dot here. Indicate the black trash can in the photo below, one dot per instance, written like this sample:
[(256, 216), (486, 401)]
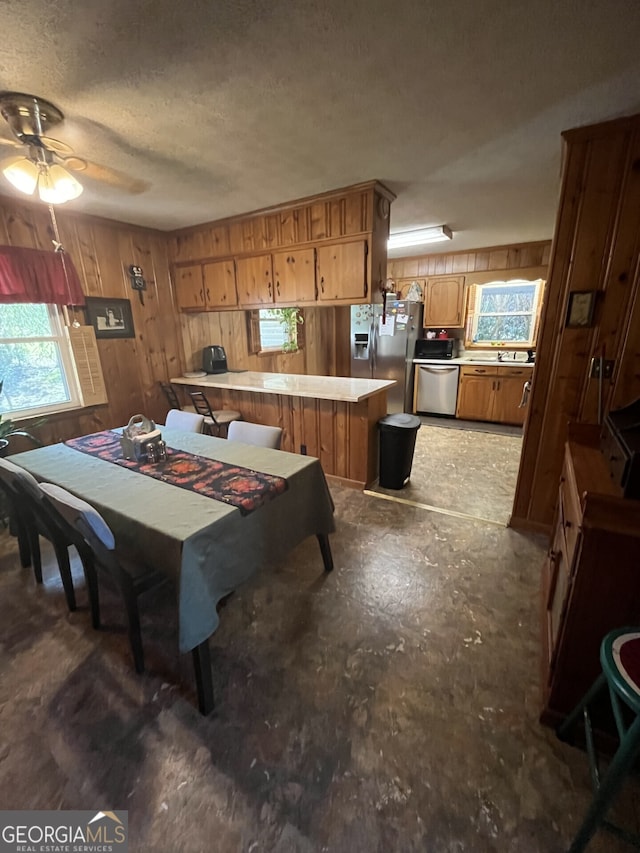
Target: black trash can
[(397, 443)]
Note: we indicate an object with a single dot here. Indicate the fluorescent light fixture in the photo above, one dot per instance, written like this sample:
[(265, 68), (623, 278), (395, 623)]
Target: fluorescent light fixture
[(55, 185), (435, 234)]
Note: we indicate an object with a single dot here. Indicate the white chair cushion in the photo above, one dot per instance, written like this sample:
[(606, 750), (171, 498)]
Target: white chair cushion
[(91, 515)]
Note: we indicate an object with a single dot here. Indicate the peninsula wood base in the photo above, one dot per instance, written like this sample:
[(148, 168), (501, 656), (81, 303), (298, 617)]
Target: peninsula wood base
[(343, 435)]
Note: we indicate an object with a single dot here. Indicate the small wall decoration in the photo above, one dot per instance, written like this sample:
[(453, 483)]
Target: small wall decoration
[(580, 308), (111, 318)]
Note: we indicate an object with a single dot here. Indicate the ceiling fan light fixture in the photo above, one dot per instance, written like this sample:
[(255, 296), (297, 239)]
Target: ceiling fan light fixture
[(22, 174), (419, 237), (56, 185)]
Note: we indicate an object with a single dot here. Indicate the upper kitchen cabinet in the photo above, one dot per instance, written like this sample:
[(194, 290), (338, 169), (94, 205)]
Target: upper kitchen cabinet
[(294, 274), (220, 284), (329, 248), (255, 281), (342, 272), (206, 287), (444, 301)]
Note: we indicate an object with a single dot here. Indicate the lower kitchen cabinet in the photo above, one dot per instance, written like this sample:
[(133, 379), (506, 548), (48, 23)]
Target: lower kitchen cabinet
[(590, 577), (490, 393)]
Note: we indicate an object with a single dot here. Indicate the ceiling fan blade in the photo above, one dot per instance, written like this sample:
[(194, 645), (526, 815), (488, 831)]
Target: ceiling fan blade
[(106, 175), (56, 145)]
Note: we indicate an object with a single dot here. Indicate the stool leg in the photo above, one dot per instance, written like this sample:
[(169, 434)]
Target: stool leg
[(622, 762), (565, 729)]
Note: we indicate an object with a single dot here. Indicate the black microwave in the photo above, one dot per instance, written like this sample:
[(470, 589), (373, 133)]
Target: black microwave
[(435, 348)]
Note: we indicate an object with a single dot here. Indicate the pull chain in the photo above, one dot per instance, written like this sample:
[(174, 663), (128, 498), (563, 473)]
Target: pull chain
[(59, 249)]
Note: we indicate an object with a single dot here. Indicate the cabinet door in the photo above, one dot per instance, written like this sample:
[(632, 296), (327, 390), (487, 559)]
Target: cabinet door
[(294, 276), (444, 301), (220, 284), (189, 287), (507, 400), (475, 398), (342, 272), (255, 281)]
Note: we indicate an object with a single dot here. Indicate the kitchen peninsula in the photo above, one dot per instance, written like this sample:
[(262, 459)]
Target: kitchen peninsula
[(332, 417)]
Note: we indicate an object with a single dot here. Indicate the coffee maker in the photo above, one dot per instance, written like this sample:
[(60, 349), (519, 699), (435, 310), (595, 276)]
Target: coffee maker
[(214, 359)]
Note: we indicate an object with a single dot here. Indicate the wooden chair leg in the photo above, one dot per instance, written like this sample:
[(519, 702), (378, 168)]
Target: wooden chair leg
[(18, 529), (34, 548), (62, 555), (93, 589)]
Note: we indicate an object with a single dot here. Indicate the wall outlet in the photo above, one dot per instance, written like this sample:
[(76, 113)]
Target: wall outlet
[(607, 364)]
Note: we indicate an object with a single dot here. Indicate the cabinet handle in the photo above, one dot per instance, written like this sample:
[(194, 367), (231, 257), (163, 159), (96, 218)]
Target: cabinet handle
[(278, 286), (202, 296), (208, 295), (269, 289), (322, 283), (479, 370), (568, 524), (493, 386)]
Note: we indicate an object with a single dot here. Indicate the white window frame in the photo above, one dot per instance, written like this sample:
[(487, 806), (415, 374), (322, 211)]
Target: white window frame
[(534, 313), (67, 362)]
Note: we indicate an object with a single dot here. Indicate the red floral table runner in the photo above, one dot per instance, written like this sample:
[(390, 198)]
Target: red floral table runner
[(240, 487)]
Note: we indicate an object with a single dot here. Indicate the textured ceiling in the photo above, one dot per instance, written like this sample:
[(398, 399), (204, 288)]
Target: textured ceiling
[(227, 107)]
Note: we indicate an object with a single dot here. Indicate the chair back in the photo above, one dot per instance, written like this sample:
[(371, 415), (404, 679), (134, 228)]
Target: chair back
[(170, 394), (18, 481), (202, 405), (83, 519), (258, 434), (188, 421)]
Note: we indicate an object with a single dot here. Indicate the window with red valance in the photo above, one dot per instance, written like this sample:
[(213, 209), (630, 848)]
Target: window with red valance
[(34, 275)]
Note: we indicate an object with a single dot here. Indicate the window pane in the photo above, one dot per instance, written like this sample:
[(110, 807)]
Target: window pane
[(513, 328), (501, 300), (24, 321), (272, 329), (33, 375)]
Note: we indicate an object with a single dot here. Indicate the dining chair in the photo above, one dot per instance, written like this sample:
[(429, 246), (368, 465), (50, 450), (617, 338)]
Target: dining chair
[(188, 421), (32, 521), (216, 422), (258, 434), (89, 530), (173, 399)]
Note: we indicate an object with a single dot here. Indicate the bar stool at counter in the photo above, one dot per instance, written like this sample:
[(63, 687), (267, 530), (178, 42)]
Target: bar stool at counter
[(216, 422)]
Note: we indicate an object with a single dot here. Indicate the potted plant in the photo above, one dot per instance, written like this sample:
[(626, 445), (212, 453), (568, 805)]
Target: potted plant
[(289, 317), (8, 428)]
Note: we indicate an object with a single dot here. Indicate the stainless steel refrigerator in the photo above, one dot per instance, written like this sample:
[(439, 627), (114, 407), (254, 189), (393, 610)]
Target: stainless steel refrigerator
[(383, 347)]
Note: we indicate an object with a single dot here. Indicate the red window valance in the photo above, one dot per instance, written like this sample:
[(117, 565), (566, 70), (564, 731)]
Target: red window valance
[(33, 275)]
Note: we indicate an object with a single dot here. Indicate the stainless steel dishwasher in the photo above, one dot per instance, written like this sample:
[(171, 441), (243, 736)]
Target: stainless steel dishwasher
[(437, 388)]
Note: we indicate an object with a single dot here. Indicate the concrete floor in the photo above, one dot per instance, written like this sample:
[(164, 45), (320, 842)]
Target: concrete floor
[(389, 706)]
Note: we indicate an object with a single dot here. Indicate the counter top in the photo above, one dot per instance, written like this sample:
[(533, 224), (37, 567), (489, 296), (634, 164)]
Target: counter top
[(341, 388), (473, 362)]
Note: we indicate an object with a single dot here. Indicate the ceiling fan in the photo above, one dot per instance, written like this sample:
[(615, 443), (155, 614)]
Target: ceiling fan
[(47, 163)]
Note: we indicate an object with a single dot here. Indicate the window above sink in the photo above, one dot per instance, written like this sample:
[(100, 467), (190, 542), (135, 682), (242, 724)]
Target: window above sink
[(503, 314)]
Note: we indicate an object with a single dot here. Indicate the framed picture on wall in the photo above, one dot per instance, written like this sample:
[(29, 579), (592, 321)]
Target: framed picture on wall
[(580, 308), (111, 318)]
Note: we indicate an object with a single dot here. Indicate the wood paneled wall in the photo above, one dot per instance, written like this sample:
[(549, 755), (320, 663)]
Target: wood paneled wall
[(102, 251), (166, 342), (516, 256), (596, 247), (321, 354)]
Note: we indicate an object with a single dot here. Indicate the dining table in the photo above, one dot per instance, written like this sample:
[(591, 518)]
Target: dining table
[(204, 544)]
